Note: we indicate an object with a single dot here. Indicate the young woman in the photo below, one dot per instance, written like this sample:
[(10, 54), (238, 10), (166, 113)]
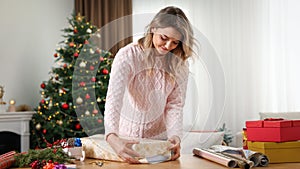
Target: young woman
[(147, 86)]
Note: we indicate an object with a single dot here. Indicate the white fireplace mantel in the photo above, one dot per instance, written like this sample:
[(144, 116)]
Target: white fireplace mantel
[(17, 122)]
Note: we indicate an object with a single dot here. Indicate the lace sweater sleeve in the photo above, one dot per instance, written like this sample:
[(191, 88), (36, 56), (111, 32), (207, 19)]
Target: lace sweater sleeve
[(119, 76), (174, 107)]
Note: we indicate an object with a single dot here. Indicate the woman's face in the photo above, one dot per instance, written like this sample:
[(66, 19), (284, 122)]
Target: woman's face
[(165, 39)]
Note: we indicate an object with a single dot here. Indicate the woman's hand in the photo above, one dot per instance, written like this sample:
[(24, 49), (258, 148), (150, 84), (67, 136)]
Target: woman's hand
[(123, 148), (175, 148)]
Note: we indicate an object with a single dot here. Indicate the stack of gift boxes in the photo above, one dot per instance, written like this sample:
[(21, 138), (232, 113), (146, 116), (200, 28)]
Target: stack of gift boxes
[(279, 139)]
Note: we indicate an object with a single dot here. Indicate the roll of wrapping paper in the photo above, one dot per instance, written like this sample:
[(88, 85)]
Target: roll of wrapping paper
[(216, 157), (242, 162), (7, 159), (258, 158)]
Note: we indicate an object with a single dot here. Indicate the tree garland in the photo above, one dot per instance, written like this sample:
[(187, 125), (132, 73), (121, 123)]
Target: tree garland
[(51, 156)]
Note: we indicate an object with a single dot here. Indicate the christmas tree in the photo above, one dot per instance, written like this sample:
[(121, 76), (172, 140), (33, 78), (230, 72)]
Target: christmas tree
[(73, 98)]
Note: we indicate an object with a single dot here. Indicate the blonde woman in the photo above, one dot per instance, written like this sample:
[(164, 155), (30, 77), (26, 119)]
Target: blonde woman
[(147, 86)]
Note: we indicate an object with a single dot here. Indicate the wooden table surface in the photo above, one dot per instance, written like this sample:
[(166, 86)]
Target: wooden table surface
[(186, 161)]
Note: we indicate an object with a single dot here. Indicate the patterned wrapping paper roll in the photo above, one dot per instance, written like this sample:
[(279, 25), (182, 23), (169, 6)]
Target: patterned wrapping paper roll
[(7, 159), (257, 158)]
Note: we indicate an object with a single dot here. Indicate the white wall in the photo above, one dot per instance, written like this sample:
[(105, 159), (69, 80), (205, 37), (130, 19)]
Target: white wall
[(30, 31)]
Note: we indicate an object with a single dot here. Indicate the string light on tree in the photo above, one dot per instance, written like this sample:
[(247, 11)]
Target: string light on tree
[(59, 122)]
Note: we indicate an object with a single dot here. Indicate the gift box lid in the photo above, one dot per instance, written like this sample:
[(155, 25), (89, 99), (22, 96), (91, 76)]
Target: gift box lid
[(256, 123), (274, 145), (277, 123), (271, 122), (295, 123)]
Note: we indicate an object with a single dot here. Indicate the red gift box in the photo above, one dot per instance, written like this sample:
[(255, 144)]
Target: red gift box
[(273, 130), (7, 159)]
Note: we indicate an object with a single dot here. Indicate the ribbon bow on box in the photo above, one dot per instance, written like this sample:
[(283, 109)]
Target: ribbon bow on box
[(77, 142)]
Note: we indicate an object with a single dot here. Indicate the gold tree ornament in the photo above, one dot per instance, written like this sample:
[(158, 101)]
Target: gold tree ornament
[(79, 17)]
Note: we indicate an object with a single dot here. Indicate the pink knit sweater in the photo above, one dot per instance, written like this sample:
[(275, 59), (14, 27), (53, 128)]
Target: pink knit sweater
[(144, 102)]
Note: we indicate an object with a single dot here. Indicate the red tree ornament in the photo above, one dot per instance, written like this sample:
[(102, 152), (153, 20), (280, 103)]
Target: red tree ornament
[(95, 111), (43, 101), (87, 96), (43, 85), (77, 126), (93, 79), (55, 55), (101, 59), (105, 71), (92, 67), (75, 31), (65, 106), (76, 55), (71, 44), (99, 120), (98, 51), (44, 131), (86, 42), (82, 84)]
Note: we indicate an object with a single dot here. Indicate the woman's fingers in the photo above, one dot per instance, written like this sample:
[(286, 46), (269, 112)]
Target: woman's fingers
[(128, 158), (126, 153), (132, 153), (129, 149), (175, 147)]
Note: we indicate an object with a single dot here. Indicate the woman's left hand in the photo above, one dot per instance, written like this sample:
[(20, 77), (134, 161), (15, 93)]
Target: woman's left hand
[(175, 148)]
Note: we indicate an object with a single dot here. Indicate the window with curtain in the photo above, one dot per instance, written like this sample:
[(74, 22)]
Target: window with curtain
[(257, 43), (113, 17)]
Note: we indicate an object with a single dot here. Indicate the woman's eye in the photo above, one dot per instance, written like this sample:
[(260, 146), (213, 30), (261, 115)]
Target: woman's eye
[(163, 38), (175, 43)]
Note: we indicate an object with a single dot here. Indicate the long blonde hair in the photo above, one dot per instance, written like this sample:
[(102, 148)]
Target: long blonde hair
[(170, 17)]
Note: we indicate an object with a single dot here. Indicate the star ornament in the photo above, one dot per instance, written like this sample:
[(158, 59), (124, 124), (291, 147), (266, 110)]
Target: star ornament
[(79, 17)]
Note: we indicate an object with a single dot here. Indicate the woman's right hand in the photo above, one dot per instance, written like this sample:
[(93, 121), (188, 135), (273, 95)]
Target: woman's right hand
[(123, 148)]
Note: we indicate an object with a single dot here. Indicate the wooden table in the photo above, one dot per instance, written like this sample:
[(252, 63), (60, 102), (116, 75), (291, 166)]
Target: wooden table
[(186, 161)]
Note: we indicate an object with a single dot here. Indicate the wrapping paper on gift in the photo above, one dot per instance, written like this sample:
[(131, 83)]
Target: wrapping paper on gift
[(7, 159), (273, 130), (278, 152), (151, 151), (76, 152)]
